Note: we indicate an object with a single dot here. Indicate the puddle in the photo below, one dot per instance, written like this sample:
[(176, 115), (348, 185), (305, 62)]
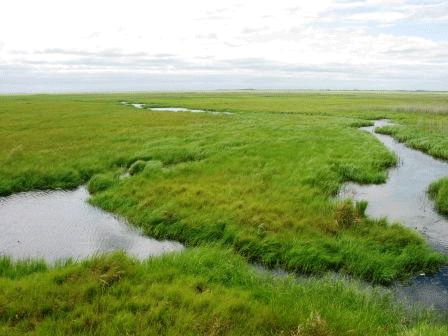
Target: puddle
[(58, 225), (404, 198)]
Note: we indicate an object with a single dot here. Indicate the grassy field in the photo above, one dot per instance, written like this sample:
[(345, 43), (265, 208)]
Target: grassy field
[(206, 291), (260, 181)]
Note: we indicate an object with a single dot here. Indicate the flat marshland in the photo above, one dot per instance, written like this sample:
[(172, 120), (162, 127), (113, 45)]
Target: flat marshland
[(253, 186)]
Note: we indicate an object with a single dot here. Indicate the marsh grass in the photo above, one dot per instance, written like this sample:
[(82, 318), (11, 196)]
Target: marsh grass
[(426, 134), (260, 183), (421, 124), (206, 291), (15, 270), (101, 182), (137, 167), (423, 108), (438, 191)]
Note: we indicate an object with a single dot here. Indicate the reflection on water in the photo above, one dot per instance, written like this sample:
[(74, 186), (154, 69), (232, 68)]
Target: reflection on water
[(404, 198), (173, 109), (429, 291), (61, 224), (182, 109)]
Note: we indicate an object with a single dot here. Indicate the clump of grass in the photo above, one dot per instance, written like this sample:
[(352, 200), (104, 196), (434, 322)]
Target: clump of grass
[(101, 182), (347, 215), (315, 325), (361, 123), (361, 207), (67, 179), (137, 167), (29, 178), (152, 167), (355, 173), (438, 191), (17, 269)]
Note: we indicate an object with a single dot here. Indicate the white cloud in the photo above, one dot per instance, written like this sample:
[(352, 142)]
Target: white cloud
[(284, 39)]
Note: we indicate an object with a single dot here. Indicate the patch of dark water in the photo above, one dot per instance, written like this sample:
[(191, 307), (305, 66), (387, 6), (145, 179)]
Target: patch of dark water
[(56, 225), (404, 198)]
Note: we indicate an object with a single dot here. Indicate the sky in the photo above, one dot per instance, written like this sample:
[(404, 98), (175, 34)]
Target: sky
[(94, 46)]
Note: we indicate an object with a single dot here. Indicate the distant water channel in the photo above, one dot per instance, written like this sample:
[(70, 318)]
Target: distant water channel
[(404, 198), (57, 225), (173, 109)]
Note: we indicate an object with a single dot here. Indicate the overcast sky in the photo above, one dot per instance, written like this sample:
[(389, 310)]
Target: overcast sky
[(199, 45)]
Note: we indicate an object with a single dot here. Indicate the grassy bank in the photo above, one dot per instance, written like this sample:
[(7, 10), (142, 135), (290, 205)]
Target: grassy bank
[(438, 191), (206, 291), (424, 126)]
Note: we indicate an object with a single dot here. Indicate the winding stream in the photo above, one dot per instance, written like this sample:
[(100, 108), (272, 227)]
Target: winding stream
[(404, 198), (58, 225)]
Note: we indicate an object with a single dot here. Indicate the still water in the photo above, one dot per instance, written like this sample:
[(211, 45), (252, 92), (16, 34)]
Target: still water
[(173, 109), (57, 225), (404, 198)]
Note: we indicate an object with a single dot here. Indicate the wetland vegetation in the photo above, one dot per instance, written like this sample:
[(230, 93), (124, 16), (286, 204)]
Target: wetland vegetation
[(257, 184)]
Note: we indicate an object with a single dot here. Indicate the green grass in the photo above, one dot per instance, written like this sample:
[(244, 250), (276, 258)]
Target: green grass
[(260, 182), (205, 291), (422, 126), (438, 191)]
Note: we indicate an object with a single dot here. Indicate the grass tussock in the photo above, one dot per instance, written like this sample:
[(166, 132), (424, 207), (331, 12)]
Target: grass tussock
[(438, 191), (137, 167), (101, 182)]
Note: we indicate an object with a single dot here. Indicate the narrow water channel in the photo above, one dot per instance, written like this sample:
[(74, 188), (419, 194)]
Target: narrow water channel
[(57, 225), (174, 109), (404, 198)]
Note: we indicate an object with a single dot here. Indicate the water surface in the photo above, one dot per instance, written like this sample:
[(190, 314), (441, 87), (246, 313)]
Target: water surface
[(174, 109), (61, 224), (404, 198)]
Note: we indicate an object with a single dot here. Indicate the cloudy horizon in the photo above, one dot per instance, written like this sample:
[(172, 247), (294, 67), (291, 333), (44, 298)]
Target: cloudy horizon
[(198, 45)]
